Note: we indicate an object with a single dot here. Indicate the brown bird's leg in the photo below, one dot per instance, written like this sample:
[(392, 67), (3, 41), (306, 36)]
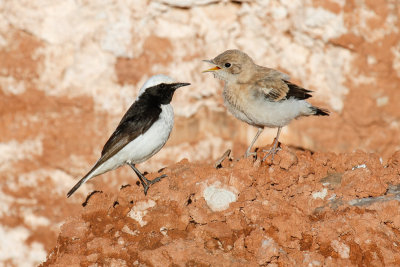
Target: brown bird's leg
[(248, 153), (274, 146), (145, 182)]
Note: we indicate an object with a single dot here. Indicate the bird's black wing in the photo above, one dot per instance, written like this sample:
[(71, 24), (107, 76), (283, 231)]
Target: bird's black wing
[(136, 121), (297, 92)]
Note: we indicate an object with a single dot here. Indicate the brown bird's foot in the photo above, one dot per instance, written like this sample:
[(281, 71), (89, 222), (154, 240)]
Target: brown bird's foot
[(218, 163), (248, 154), (272, 152), (275, 147), (146, 183)]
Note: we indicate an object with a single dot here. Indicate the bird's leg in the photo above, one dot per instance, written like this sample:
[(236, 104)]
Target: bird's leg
[(274, 146), (248, 153), (143, 180)]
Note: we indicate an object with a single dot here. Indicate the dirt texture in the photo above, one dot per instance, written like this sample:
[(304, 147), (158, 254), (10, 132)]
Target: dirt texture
[(303, 209)]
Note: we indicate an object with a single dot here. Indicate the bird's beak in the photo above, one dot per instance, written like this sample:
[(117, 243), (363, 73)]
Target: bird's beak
[(177, 85), (212, 69)]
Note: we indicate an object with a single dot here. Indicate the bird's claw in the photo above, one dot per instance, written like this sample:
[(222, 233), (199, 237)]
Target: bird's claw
[(155, 180), (272, 152), (222, 158), (248, 154), (148, 183)]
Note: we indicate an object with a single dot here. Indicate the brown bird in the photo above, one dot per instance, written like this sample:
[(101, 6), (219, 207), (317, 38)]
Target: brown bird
[(260, 96)]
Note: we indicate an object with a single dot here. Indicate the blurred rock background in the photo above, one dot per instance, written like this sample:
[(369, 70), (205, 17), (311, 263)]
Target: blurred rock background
[(69, 70)]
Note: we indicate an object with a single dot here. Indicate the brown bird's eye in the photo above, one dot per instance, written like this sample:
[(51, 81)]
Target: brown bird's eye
[(227, 65)]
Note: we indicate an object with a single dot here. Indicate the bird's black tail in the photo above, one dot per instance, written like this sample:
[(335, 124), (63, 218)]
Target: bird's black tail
[(81, 181), (76, 187), (320, 111)]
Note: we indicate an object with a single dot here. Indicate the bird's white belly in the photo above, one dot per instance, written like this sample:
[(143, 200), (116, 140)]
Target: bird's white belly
[(277, 114), (258, 111), (237, 113), (144, 146)]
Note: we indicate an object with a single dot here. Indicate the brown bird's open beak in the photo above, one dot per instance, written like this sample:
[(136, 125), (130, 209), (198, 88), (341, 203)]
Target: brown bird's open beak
[(212, 69)]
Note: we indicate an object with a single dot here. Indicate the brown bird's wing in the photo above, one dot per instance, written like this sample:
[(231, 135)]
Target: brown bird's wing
[(271, 88), (278, 89)]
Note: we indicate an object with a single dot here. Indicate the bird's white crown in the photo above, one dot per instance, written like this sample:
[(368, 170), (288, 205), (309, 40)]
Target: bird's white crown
[(154, 80)]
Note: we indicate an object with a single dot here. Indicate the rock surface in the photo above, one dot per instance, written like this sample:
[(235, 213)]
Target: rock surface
[(69, 70), (323, 210)]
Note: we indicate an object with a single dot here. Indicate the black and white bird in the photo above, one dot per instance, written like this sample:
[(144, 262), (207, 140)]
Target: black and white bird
[(260, 96), (142, 132)]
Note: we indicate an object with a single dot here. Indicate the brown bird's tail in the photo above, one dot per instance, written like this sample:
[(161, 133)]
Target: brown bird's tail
[(320, 111)]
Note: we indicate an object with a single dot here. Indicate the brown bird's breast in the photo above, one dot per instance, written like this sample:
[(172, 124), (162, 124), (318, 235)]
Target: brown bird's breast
[(236, 99)]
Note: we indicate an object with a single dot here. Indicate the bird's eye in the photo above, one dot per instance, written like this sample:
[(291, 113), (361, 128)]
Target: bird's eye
[(227, 65), (162, 85)]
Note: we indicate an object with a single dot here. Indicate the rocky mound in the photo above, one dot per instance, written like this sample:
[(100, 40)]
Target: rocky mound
[(307, 209)]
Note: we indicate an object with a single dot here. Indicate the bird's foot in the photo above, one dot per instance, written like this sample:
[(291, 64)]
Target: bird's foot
[(218, 163), (147, 183), (248, 154), (272, 152)]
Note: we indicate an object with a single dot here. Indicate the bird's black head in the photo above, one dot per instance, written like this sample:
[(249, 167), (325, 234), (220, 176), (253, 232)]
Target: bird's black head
[(163, 92)]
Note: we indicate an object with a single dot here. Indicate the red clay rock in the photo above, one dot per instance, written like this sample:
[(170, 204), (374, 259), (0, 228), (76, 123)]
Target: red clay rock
[(325, 218)]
